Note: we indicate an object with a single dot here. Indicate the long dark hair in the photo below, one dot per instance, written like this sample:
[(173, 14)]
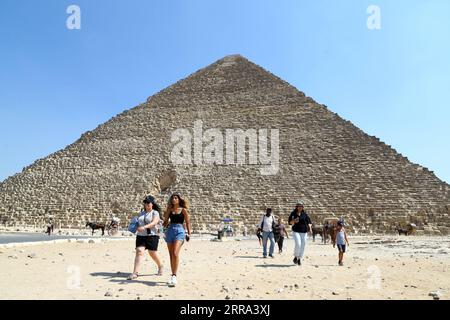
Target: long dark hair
[(182, 203), (296, 211), (156, 207)]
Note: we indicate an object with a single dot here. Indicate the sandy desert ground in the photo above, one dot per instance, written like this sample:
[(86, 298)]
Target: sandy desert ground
[(376, 267)]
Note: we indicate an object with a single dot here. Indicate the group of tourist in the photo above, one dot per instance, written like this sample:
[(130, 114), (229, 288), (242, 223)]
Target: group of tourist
[(177, 230), (270, 230), (176, 224)]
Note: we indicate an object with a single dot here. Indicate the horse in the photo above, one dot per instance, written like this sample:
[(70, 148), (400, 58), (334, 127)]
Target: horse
[(95, 226), (329, 230), (406, 231), (316, 230), (401, 231)]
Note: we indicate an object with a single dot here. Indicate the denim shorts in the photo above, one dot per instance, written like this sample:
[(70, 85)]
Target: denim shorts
[(175, 232), (341, 247)]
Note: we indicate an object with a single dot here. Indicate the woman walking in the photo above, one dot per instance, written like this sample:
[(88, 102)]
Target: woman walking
[(301, 224), (280, 234), (175, 217), (147, 236)]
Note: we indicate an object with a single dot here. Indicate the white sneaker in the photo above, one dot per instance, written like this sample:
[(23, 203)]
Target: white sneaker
[(173, 281), (169, 283)]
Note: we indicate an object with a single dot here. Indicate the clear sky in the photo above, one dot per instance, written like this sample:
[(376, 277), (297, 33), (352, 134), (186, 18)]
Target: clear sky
[(57, 83)]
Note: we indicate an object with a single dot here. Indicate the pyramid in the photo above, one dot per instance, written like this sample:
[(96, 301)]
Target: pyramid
[(323, 160)]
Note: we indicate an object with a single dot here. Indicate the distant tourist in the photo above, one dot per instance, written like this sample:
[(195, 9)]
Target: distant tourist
[(326, 231), (267, 224), (147, 236), (245, 231), (280, 234), (50, 227), (341, 241), (229, 231), (114, 221), (175, 217), (301, 224)]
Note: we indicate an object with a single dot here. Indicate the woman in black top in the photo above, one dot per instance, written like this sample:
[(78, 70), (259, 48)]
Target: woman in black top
[(301, 224), (175, 217)]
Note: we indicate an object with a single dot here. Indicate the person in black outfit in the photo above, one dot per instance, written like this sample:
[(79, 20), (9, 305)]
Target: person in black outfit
[(50, 227), (175, 217), (301, 224)]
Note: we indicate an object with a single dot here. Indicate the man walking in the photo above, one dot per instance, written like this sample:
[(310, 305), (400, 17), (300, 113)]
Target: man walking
[(267, 224)]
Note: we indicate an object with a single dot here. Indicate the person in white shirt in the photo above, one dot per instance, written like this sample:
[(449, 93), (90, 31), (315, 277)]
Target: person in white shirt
[(266, 224), (147, 237), (245, 232)]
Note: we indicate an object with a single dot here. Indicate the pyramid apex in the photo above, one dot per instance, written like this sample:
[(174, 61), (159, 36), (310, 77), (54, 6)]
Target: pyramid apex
[(232, 59)]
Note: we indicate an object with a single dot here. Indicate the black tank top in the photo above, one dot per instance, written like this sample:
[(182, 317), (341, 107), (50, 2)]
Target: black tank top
[(176, 217)]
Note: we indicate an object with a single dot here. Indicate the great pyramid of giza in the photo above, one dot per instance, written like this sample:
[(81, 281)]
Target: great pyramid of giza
[(324, 160)]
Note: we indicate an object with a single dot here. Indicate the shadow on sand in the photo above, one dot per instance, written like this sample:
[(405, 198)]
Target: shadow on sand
[(275, 265), (121, 278)]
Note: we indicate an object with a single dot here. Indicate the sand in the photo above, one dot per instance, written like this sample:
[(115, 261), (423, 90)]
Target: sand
[(382, 267)]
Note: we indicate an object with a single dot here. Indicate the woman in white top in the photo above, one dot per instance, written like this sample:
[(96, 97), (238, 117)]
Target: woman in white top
[(147, 236)]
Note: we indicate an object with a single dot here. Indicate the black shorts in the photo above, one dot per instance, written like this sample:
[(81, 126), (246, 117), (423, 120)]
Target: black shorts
[(341, 247), (149, 242)]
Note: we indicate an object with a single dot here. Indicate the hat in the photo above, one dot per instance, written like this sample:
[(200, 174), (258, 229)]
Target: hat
[(300, 203), (149, 199)]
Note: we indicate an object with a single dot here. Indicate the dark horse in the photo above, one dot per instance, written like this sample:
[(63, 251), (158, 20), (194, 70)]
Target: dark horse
[(95, 226), (403, 231), (329, 230), (317, 230)]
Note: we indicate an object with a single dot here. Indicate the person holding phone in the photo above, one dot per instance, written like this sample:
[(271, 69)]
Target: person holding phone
[(147, 236), (175, 217), (301, 224)]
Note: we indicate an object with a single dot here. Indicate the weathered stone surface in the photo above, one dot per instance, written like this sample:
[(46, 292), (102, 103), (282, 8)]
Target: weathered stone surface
[(326, 161)]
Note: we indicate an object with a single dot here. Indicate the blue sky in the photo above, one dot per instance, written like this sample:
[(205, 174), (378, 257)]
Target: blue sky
[(57, 83)]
